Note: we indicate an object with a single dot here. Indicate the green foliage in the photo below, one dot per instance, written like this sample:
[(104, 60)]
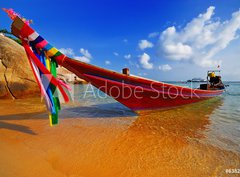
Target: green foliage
[(11, 36), (15, 39), (4, 31)]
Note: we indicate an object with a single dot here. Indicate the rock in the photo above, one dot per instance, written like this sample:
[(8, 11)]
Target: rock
[(69, 77), (16, 77)]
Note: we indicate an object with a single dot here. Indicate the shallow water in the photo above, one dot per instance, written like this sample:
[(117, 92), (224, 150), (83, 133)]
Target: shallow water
[(100, 137)]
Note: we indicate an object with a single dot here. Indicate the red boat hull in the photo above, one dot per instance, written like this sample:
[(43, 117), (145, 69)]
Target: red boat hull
[(137, 93)]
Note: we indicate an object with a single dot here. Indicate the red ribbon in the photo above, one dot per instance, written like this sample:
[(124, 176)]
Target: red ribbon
[(45, 71)]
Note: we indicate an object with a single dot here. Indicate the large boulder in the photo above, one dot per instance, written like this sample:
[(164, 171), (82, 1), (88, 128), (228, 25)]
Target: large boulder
[(16, 77)]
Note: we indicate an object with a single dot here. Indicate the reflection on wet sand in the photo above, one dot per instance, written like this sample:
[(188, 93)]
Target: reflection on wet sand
[(181, 123), (168, 143), (86, 143)]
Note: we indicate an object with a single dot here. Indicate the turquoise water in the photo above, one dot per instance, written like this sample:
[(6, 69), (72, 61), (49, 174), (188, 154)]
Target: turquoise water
[(223, 129), (225, 120)]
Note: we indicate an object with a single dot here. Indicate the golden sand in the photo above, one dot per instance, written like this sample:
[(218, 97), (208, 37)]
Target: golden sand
[(151, 144)]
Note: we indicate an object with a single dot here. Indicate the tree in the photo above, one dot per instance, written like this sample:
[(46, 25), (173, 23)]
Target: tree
[(11, 36), (4, 31)]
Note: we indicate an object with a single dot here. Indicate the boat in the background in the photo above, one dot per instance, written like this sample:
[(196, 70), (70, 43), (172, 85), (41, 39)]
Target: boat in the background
[(214, 81), (137, 93), (196, 80)]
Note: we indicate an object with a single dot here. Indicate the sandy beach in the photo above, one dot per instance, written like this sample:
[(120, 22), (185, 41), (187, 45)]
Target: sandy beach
[(100, 143)]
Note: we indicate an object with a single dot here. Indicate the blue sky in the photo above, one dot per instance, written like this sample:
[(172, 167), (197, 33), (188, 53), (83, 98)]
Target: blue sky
[(115, 34)]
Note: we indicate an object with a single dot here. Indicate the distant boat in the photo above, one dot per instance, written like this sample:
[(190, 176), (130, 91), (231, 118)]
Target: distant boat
[(137, 93), (197, 80)]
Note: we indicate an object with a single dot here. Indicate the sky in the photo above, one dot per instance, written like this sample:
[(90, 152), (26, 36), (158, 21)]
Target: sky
[(161, 40)]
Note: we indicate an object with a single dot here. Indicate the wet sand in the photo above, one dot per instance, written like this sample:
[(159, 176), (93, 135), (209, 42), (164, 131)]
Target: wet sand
[(93, 142)]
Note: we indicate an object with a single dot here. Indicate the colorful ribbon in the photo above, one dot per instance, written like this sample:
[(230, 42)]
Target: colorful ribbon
[(41, 56)]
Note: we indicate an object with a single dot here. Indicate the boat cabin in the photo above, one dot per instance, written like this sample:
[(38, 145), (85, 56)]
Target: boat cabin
[(214, 81)]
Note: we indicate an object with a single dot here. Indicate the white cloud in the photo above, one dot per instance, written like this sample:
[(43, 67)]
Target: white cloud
[(165, 67), (143, 44), (107, 62), (178, 51), (115, 53), (86, 56), (67, 51), (153, 35), (144, 61), (127, 56), (85, 53), (201, 39), (70, 52), (82, 58)]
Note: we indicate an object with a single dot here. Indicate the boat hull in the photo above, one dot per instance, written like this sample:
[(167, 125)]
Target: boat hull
[(138, 93)]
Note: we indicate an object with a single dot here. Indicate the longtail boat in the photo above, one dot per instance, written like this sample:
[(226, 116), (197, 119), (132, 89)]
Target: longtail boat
[(134, 92)]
